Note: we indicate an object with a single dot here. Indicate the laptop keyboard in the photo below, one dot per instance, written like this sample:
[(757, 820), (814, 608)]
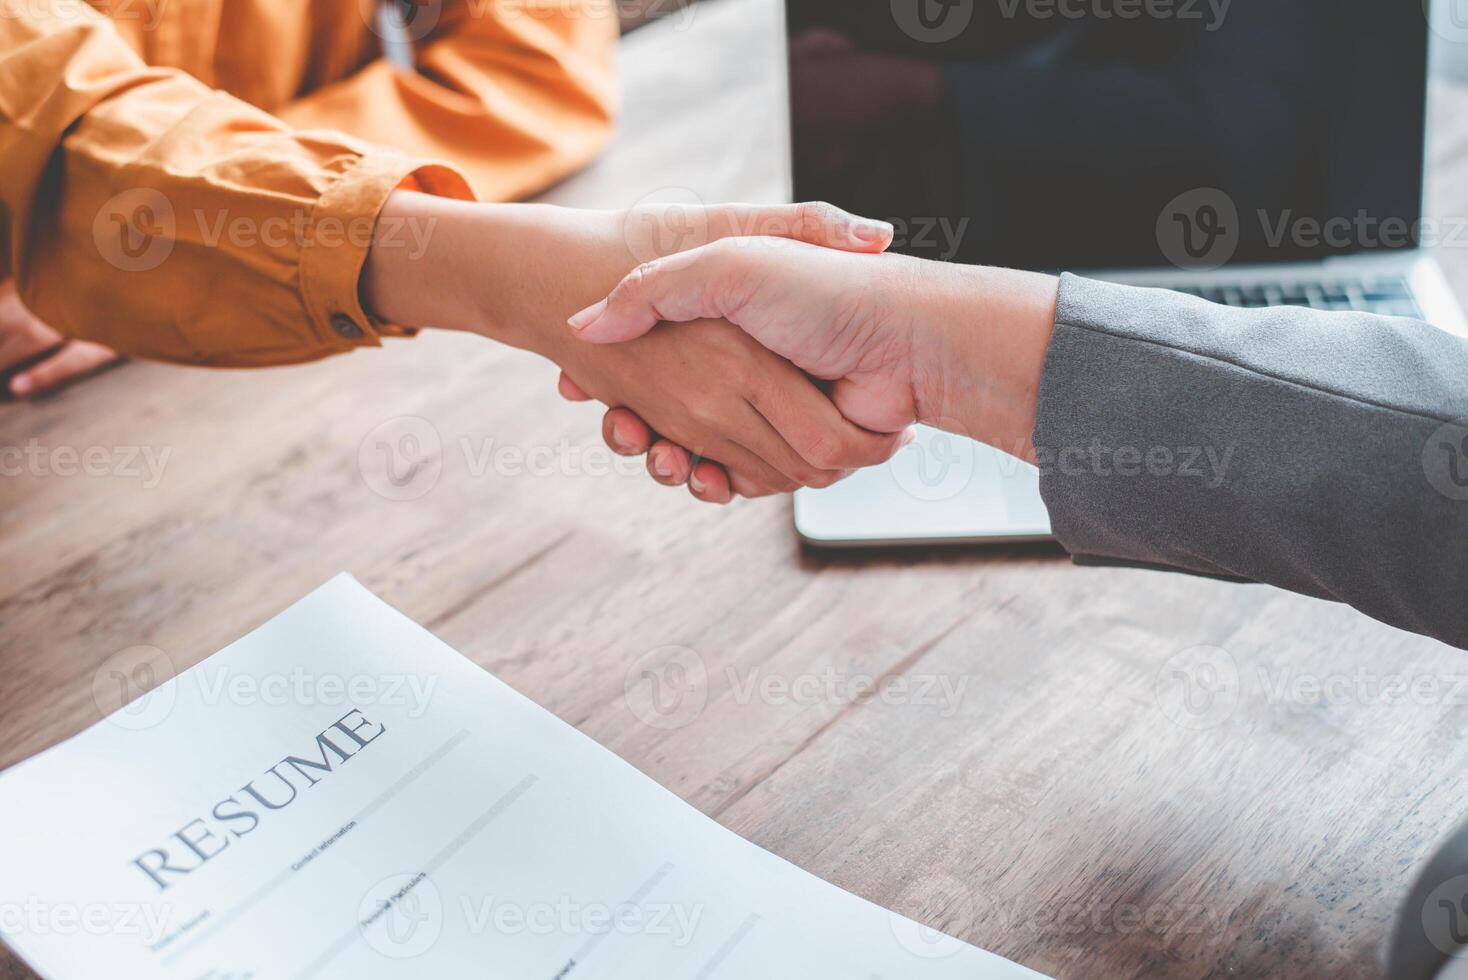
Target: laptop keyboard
[(1390, 296)]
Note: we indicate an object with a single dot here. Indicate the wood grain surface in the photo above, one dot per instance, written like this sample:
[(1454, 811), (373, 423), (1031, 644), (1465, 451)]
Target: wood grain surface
[(1051, 768)]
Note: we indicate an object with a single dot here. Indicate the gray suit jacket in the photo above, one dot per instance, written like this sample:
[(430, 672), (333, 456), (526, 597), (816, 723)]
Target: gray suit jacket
[(1326, 453)]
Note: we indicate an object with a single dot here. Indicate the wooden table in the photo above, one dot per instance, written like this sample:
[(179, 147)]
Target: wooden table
[(1055, 802)]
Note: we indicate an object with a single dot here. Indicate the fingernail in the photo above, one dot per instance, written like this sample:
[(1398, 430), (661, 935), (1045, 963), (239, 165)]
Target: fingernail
[(661, 468), (619, 437), (872, 232), (908, 438), (20, 384), (695, 484), (588, 316)]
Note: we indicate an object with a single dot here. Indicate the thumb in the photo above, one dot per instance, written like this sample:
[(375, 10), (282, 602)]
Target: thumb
[(873, 403), (686, 286)]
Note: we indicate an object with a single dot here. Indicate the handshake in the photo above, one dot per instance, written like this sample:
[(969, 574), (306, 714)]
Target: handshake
[(789, 349)]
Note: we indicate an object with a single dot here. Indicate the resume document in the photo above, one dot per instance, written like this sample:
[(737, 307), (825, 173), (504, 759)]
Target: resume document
[(340, 794)]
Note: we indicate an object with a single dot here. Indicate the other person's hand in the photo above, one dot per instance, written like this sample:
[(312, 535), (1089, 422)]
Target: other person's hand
[(36, 357), (902, 340)]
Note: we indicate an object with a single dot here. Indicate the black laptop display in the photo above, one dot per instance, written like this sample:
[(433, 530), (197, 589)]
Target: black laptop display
[(1057, 133)]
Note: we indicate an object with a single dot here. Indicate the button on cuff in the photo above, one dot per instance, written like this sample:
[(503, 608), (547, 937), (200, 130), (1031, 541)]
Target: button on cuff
[(331, 265), (346, 327)]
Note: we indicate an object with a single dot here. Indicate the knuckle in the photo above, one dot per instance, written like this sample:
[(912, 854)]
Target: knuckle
[(638, 278), (823, 479), (826, 454), (814, 218)]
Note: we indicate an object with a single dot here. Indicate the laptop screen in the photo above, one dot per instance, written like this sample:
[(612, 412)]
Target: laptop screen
[(1052, 134)]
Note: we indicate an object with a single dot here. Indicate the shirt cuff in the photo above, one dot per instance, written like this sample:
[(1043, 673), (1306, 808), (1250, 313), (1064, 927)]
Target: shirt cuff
[(341, 229)]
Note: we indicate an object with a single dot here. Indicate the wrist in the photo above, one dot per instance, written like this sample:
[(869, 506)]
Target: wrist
[(979, 353), (511, 273)]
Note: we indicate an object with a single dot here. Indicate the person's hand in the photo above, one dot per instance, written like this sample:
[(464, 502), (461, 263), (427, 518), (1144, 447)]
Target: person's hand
[(515, 273), (902, 340), (44, 358)]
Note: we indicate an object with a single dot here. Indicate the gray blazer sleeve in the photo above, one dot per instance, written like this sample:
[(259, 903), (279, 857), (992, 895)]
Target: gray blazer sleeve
[(1326, 453)]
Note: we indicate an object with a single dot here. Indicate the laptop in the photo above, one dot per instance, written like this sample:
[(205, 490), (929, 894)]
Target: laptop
[(1253, 153)]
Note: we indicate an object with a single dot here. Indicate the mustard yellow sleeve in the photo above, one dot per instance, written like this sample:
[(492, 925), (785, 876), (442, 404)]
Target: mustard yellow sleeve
[(518, 93), (147, 212)]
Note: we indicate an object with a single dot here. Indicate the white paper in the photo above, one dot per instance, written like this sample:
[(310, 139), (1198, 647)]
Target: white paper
[(444, 826)]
